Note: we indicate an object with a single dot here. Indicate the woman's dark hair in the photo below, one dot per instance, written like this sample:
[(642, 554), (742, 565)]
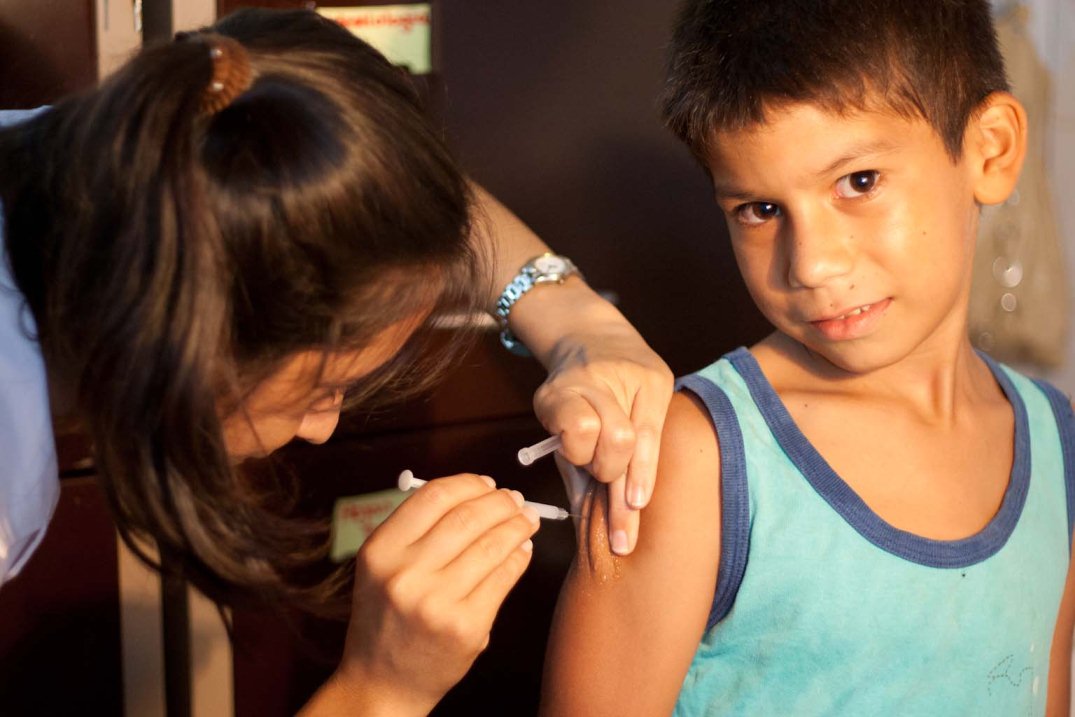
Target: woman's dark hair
[(731, 60), (172, 257)]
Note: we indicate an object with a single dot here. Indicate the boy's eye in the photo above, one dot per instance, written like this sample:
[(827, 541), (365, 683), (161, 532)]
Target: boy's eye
[(757, 213), (857, 184)]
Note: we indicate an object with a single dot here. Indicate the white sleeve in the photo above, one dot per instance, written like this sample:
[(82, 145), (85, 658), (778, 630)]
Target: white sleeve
[(29, 480)]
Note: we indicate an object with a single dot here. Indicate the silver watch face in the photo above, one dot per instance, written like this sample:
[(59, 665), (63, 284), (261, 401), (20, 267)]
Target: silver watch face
[(550, 265)]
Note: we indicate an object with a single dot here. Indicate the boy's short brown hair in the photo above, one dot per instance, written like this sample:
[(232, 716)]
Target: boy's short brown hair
[(731, 60)]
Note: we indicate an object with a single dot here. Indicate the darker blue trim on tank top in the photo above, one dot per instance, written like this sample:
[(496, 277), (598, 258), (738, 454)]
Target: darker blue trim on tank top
[(838, 494), (734, 495), (1065, 425)]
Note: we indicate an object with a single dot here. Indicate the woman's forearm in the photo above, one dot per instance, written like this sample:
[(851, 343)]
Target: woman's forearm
[(607, 390), (343, 696), (505, 238)]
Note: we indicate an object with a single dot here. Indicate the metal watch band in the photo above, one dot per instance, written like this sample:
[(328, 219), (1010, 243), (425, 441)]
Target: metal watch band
[(522, 283), (509, 341), (528, 277)]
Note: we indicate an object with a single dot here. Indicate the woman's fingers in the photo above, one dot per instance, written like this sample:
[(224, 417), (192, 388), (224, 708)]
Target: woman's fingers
[(647, 414), (610, 420), (488, 552), (623, 454), (429, 504), (423, 609), (490, 593), (595, 430), (471, 522), (607, 390), (622, 520)]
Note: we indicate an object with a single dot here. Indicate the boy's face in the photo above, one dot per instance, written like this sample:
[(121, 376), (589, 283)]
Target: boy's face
[(854, 233)]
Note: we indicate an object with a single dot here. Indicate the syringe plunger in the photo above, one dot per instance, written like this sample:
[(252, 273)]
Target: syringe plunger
[(530, 454)]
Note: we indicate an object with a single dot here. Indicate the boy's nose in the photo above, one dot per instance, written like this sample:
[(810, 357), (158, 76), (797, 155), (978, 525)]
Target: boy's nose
[(317, 426), (817, 255)]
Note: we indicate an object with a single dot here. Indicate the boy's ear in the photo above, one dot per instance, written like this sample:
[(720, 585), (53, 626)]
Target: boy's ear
[(996, 146)]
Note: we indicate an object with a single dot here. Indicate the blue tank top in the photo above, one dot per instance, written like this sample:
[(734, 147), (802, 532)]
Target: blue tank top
[(823, 608)]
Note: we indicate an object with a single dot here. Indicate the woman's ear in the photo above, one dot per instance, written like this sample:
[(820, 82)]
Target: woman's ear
[(996, 146)]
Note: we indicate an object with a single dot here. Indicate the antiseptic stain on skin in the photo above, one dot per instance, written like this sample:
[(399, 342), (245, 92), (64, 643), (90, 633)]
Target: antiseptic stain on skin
[(594, 552)]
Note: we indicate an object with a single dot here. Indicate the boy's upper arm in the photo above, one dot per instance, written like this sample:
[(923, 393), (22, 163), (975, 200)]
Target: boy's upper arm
[(1059, 694), (625, 629)]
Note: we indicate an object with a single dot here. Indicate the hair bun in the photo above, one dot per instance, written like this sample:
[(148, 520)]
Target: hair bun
[(232, 72)]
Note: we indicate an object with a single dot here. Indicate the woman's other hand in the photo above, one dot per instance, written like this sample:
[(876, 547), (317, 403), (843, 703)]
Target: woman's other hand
[(428, 584), (606, 395), (607, 391)]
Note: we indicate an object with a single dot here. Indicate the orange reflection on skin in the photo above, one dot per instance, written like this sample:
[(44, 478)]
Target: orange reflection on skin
[(594, 552)]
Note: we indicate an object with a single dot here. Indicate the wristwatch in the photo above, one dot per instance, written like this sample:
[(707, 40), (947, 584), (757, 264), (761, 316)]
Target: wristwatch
[(545, 269)]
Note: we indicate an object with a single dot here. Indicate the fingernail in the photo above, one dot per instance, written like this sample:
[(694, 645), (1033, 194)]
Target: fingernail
[(517, 497), (531, 515), (528, 546), (636, 497), (488, 481), (619, 543)]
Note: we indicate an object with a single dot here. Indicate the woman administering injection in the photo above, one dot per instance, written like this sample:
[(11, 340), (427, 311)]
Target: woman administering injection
[(202, 255)]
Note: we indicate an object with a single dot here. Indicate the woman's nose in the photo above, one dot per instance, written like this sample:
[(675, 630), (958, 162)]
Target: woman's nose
[(317, 426)]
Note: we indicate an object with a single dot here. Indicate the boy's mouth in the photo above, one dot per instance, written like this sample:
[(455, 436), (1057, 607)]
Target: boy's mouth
[(855, 312), (852, 323)]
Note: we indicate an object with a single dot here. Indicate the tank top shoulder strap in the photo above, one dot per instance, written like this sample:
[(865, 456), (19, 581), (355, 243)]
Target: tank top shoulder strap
[(1065, 424), (712, 386)]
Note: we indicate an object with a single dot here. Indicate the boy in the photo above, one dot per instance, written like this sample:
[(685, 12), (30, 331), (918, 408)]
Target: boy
[(860, 514)]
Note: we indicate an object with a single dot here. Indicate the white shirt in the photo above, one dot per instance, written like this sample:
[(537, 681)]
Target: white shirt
[(29, 481)]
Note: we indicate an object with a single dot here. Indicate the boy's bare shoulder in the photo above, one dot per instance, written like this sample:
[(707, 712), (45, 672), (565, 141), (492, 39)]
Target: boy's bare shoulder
[(686, 500), (689, 433), (615, 646)]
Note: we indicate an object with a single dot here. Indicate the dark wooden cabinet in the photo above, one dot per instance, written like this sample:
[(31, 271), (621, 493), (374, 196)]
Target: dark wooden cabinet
[(59, 618)]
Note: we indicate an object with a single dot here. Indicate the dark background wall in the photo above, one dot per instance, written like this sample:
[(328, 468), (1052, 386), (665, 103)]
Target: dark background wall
[(552, 105), (47, 50)]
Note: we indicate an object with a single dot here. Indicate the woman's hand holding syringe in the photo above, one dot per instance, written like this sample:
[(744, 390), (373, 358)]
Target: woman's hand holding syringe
[(428, 584)]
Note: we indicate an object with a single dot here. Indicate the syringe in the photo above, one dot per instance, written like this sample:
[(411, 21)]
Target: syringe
[(530, 454), (407, 482)]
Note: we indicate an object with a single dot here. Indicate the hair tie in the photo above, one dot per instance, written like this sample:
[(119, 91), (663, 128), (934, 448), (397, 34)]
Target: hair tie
[(232, 73)]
